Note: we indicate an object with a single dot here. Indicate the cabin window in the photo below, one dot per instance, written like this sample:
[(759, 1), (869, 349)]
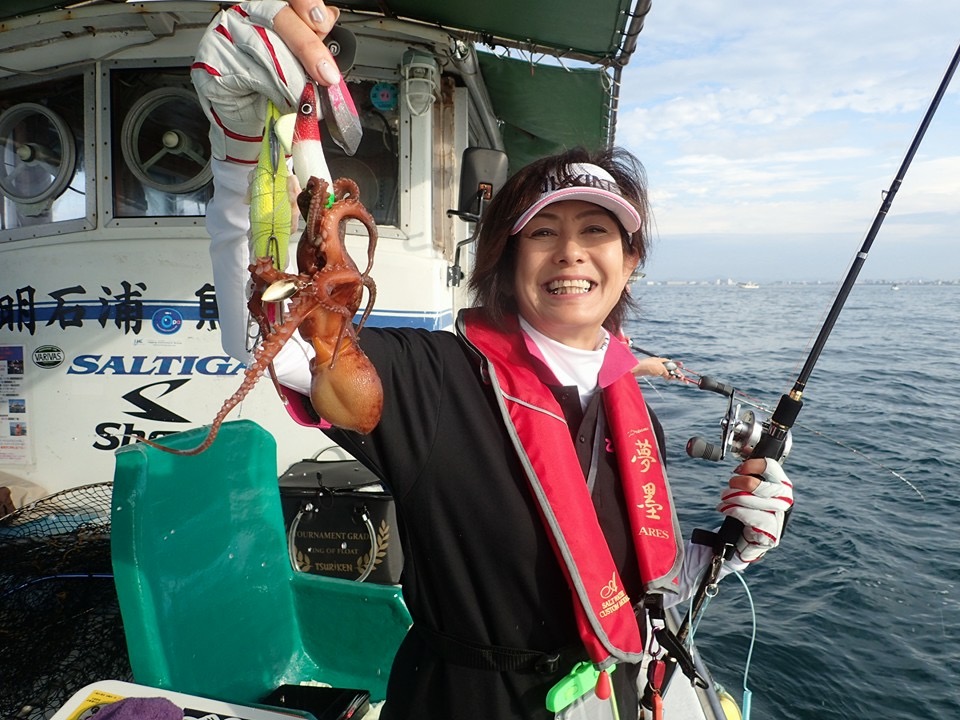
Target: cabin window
[(375, 166), (161, 150), (42, 174)]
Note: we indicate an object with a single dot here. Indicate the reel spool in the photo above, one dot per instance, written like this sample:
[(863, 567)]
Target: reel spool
[(740, 433), (342, 44)]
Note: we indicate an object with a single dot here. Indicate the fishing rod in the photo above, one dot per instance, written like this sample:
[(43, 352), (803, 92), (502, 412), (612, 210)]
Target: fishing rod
[(774, 436)]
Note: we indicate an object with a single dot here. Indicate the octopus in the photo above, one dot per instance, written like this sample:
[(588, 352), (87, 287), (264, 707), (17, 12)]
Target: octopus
[(324, 297)]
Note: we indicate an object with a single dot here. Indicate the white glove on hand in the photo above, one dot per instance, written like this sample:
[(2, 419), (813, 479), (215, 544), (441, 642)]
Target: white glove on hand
[(761, 510), (240, 63)]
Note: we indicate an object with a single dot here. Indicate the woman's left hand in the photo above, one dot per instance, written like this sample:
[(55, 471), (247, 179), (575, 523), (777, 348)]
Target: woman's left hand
[(758, 496)]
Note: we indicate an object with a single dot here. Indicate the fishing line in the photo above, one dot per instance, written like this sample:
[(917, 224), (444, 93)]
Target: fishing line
[(861, 256), (695, 621), (753, 402), (653, 387), (747, 400), (852, 449), (695, 624), (747, 693)]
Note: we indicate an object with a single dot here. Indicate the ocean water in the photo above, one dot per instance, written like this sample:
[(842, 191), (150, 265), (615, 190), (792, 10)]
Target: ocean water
[(858, 610)]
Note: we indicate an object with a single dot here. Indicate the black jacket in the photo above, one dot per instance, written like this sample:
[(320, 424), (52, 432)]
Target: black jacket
[(478, 564)]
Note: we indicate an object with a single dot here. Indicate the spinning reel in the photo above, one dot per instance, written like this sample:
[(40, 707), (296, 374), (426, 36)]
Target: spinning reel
[(740, 433)]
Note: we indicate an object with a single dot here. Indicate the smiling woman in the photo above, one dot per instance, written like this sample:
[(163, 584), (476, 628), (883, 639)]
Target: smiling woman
[(573, 203), (526, 468), (571, 271), (575, 254)]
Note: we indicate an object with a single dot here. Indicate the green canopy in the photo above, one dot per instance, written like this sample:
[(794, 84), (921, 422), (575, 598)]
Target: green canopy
[(594, 30), (598, 31), (544, 109)]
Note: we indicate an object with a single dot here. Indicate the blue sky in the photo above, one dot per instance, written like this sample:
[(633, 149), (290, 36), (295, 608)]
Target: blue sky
[(769, 131)]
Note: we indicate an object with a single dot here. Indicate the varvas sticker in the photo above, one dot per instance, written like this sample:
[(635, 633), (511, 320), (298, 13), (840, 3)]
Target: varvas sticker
[(48, 357)]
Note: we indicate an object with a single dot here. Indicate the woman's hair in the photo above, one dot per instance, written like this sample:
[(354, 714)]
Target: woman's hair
[(492, 280)]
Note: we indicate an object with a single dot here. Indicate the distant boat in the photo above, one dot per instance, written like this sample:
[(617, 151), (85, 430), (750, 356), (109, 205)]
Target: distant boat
[(748, 285), (894, 287)]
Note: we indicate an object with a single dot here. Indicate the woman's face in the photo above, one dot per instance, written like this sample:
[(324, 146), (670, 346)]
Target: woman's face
[(570, 271)]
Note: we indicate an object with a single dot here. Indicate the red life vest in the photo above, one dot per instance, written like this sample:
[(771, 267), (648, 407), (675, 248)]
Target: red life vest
[(535, 421)]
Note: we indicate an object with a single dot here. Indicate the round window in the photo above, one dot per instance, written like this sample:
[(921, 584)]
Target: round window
[(157, 150), (38, 154)]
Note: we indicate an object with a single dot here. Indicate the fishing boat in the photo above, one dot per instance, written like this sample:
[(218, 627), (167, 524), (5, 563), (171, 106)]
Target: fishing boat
[(109, 328)]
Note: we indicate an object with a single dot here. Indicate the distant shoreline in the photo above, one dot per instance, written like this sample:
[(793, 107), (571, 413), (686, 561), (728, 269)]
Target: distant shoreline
[(727, 282)]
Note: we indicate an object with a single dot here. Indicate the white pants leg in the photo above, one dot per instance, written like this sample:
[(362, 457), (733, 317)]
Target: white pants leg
[(228, 222)]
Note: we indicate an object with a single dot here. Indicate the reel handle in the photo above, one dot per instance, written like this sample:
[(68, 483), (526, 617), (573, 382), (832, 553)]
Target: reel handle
[(699, 448), (708, 383)]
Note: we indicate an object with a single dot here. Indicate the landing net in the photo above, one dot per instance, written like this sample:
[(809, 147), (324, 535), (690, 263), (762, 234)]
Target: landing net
[(60, 626)]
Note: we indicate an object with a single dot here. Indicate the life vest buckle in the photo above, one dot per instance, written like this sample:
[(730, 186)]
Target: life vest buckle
[(548, 664)]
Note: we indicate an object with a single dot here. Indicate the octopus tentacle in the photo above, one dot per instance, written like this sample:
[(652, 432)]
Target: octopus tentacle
[(328, 292), (263, 358), (371, 287)]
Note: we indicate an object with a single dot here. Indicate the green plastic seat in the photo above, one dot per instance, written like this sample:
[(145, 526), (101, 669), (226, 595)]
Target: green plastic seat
[(210, 603)]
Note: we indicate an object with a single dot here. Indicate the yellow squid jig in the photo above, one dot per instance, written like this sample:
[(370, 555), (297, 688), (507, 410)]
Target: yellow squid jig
[(271, 213)]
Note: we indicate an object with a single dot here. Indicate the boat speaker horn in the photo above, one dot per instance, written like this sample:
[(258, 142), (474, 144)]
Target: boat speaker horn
[(342, 44), (162, 143), (37, 154)]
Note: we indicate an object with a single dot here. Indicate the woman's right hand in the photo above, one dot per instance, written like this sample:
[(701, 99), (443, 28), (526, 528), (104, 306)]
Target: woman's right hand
[(256, 50)]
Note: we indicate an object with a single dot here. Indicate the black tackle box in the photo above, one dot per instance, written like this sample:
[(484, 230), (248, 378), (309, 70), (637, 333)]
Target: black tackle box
[(339, 519)]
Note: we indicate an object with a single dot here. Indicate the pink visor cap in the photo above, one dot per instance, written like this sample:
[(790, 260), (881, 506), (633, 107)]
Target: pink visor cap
[(588, 182)]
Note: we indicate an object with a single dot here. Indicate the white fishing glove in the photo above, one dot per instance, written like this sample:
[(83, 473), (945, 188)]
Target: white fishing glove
[(761, 511), (240, 63), (250, 52)]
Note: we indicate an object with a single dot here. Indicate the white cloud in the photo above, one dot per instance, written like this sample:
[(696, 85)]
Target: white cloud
[(775, 118)]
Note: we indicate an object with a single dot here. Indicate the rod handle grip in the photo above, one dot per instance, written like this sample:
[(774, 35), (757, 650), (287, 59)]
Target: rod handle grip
[(729, 533)]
